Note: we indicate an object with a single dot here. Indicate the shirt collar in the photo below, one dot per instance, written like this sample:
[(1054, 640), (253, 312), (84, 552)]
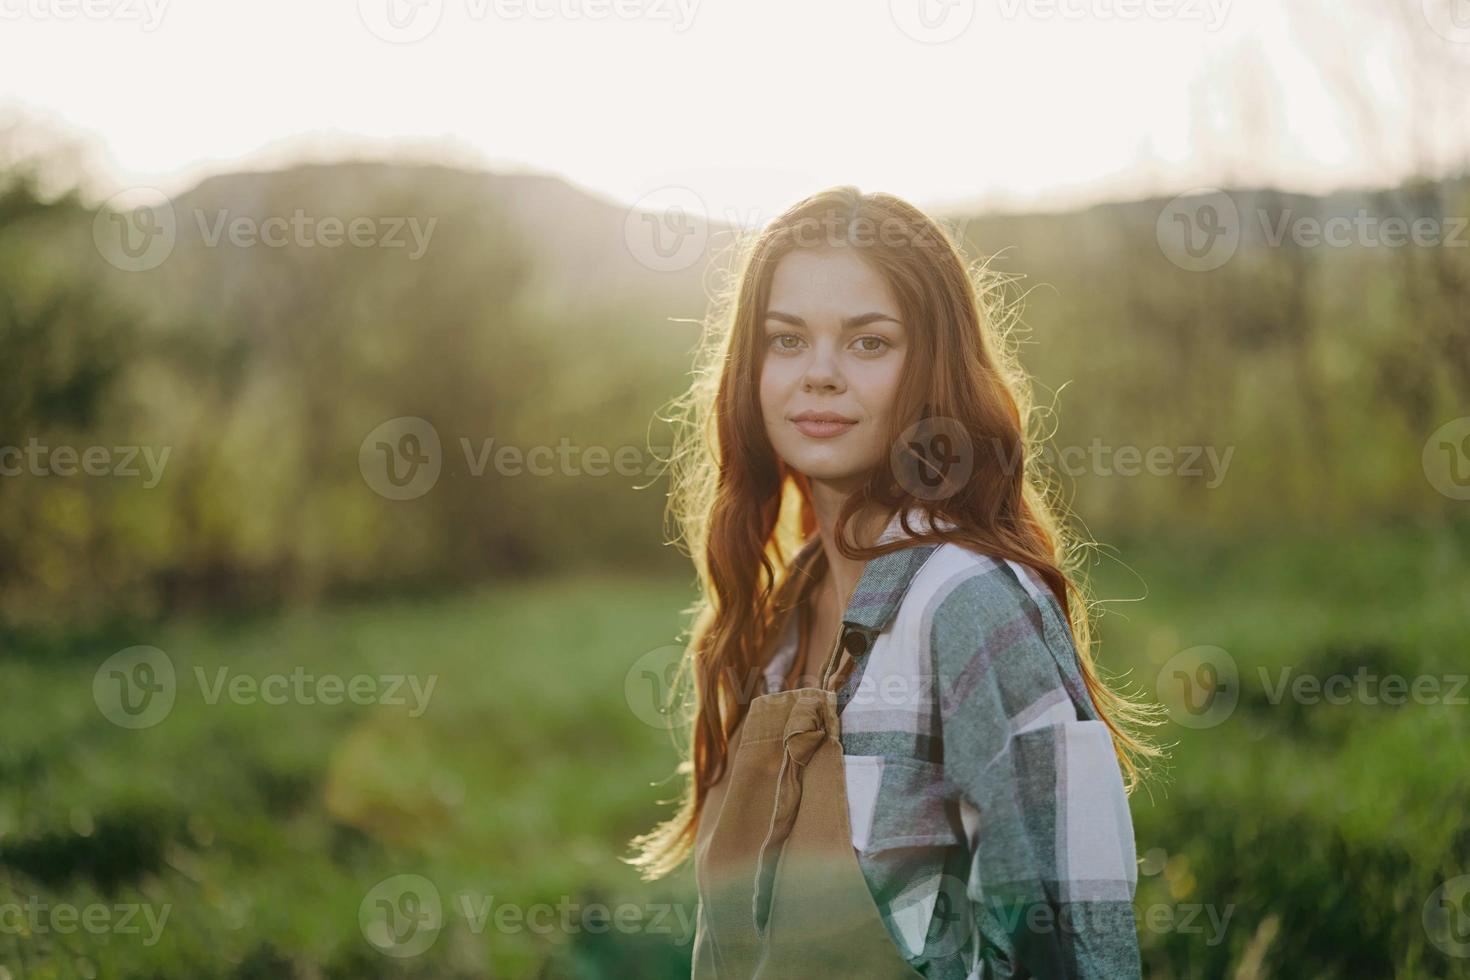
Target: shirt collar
[(885, 579)]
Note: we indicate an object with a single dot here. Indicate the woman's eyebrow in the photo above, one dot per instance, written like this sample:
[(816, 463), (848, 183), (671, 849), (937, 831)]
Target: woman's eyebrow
[(848, 323)]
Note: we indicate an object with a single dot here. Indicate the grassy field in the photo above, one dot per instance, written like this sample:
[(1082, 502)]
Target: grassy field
[(233, 837)]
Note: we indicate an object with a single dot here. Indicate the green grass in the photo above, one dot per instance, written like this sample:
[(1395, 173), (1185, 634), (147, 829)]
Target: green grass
[(1322, 830), (265, 826)]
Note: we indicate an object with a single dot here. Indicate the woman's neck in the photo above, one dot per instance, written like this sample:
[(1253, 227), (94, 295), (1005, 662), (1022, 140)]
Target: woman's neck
[(836, 588)]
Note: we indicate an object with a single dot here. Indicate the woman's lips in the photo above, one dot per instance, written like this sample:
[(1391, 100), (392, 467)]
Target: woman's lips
[(822, 429)]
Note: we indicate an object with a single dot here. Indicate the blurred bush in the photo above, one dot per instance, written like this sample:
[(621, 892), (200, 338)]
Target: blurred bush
[(1293, 386)]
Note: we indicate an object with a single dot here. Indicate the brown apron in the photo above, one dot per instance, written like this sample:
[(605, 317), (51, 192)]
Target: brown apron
[(781, 893)]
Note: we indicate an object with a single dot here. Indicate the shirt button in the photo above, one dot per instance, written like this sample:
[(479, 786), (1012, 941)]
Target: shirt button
[(855, 643)]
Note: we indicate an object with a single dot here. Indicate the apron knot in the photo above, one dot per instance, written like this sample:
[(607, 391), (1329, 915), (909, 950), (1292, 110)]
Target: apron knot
[(806, 729)]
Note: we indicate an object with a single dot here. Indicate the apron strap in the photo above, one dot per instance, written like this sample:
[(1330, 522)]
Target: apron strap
[(806, 731)]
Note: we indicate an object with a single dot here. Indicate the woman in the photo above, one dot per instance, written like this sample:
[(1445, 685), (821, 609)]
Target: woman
[(902, 761)]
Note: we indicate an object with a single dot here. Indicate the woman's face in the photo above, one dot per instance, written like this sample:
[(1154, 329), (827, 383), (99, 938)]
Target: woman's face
[(834, 354)]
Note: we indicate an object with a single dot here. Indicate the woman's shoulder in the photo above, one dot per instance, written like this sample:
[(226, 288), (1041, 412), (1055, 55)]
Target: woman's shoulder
[(989, 623), (960, 582)]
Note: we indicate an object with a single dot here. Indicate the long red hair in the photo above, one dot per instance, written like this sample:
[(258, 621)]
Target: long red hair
[(743, 513)]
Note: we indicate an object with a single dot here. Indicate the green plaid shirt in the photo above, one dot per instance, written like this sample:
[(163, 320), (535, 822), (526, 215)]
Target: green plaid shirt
[(987, 804)]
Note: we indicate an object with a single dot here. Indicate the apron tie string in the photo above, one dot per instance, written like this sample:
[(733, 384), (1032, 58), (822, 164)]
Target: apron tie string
[(805, 732)]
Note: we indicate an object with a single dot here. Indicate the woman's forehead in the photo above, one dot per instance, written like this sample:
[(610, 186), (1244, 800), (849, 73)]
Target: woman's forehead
[(834, 280)]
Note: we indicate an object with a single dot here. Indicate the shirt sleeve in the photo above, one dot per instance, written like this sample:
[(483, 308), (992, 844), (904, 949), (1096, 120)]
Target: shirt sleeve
[(1053, 869)]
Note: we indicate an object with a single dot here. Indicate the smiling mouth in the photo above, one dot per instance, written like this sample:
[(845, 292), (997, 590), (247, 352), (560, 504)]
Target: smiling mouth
[(823, 426)]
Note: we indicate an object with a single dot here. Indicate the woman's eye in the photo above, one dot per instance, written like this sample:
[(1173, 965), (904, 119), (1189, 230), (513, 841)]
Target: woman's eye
[(871, 345), (779, 341)]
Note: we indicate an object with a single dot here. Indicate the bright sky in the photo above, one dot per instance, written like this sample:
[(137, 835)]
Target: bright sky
[(751, 103)]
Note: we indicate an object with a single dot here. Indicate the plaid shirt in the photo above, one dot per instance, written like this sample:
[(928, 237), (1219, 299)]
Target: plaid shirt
[(987, 805)]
